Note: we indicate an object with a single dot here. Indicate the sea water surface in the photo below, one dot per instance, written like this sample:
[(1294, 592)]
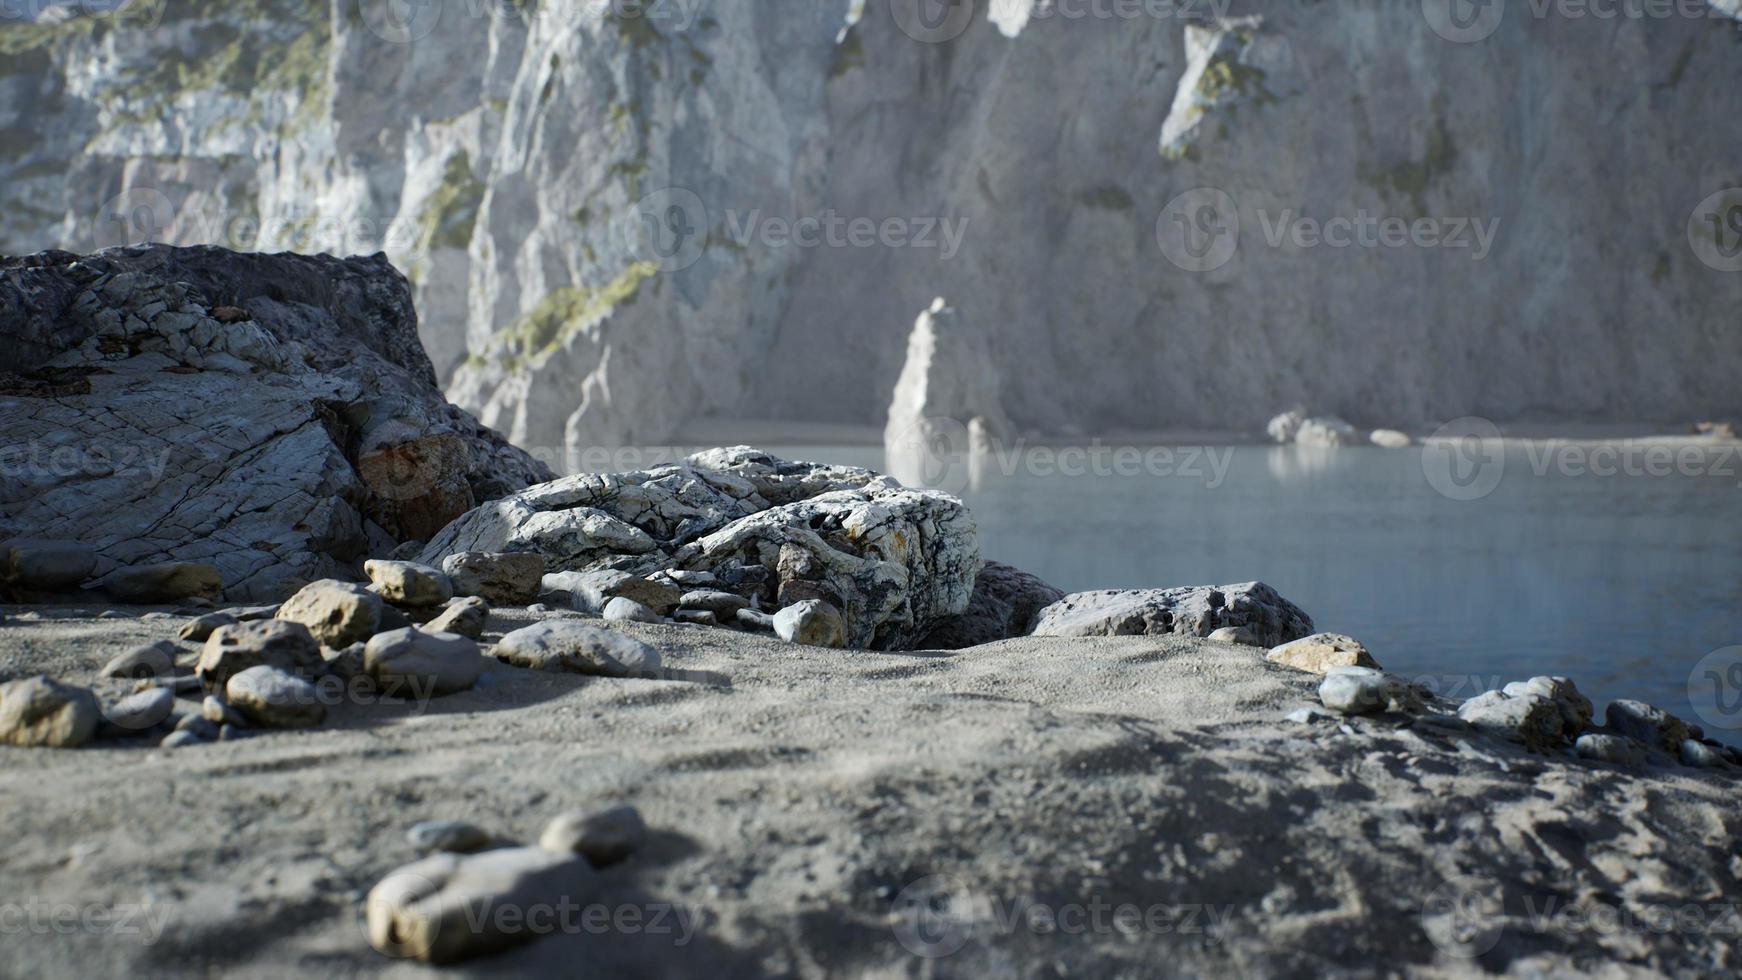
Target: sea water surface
[(1549, 558)]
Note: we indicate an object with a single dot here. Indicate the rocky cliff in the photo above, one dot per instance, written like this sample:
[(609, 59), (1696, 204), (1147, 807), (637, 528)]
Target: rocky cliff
[(621, 216)]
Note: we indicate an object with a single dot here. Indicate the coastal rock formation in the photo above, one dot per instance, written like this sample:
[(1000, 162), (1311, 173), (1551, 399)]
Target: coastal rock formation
[(893, 560), (947, 401), (201, 419), (1197, 611), (598, 257), (1004, 604)]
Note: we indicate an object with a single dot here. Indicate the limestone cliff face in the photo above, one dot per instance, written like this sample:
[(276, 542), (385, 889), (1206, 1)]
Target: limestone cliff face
[(592, 199)]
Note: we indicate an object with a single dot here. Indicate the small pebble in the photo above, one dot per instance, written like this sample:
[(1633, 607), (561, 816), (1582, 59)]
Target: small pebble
[(626, 610), (181, 739)]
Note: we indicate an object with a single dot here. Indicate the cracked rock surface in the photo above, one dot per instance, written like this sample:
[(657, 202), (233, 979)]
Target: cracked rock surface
[(273, 416), (894, 560)]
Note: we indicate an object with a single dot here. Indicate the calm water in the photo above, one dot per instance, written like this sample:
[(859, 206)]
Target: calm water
[(1622, 582)]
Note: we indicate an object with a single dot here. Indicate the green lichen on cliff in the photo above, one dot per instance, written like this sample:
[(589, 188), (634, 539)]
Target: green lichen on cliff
[(567, 311), (450, 212)]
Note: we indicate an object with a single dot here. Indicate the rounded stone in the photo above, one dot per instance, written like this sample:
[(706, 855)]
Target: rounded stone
[(812, 622), (273, 698)]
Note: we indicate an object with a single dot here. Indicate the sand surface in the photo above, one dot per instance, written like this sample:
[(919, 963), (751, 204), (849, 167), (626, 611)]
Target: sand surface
[(1038, 807)]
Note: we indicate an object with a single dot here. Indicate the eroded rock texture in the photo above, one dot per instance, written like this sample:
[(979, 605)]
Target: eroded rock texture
[(272, 416), (893, 560), (1191, 611)]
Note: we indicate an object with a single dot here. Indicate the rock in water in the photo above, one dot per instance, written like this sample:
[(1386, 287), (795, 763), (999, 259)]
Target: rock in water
[(276, 448), (948, 383), (439, 662), (230, 650), (507, 579), (273, 698), (1389, 439), (603, 838), (897, 560), (1283, 428), (464, 616), (1320, 652), (813, 623), (1326, 430), (407, 583), (564, 645), (39, 712), (337, 613), (443, 909), (1004, 603), (167, 582), (1199, 611)]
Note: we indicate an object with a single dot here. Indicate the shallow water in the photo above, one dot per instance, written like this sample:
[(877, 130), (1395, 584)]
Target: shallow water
[(1624, 582)]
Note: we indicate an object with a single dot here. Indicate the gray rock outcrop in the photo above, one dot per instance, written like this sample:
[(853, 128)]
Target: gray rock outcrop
[(188, 410), (1004, 604), (894, 561), (1193, 611)]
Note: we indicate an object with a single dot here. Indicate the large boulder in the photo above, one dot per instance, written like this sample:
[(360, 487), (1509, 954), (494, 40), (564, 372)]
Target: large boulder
[(1004, 603), (271, 416), (1196, 611), (895, 561)]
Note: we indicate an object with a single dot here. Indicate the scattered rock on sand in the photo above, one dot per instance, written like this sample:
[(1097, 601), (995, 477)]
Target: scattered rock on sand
[(462, 616), (1575, 707), (217, 711), (46, 566), (813, 623), (1197, 611), (1357, 690), (625, 610), (442, 909), (1233, 634), (591, 591), (1617, 749), (450, 663), (724, 605), (1005, 602), (274, 643), (1655, 727), (39, 712), (695, 617), (1320, 652), (144, 585), (200, 629), (407, 583), (144, 662), (510, 579), (1529, 718), (1701, 756), (199, 725), (182, 738), (139, 712), (273, 698), (337, 613), (565, 645), (447, 836), (603, 837), (754, 619)]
